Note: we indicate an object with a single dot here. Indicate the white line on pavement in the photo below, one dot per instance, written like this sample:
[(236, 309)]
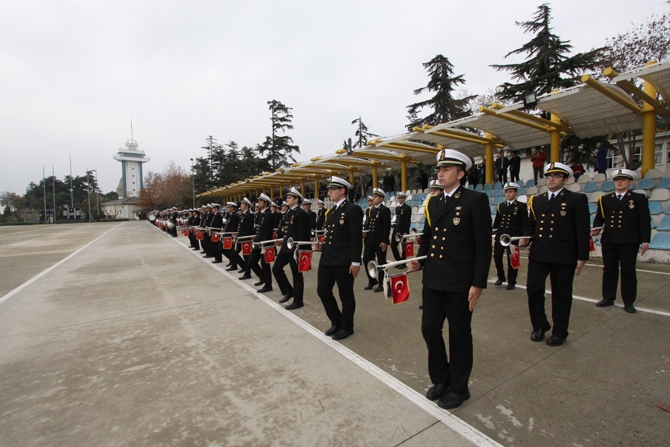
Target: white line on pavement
[(467, 431), (38, 276)]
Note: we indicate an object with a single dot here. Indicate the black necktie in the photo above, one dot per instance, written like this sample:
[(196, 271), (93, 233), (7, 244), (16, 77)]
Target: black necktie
[(619, 196), (551, 197)]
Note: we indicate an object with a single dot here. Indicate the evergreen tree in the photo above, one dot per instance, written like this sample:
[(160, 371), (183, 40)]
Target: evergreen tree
[(279, 147), (445, 105), (362, 133), (547, 66)]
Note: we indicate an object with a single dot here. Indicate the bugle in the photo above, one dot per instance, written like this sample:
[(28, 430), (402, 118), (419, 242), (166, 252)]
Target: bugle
[(401, 237), (260, 244), (506, 239), (374, 268), (243, 238), (318, 232), (290, 243)]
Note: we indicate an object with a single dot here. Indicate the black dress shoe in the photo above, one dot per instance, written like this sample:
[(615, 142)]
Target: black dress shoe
[(510, 286), (207, 256), (538, 335), (286, 297), (240, 271), (217, 262), (436, 391), (555, 340), (229, 264), (605, 303), (370, 286), (332, 330), (630, 309), (245, 277), (265, 289), (379, 288), (294, 305), (499, 282), (231, 269), (259, 283), (342, 334), (453, 400)]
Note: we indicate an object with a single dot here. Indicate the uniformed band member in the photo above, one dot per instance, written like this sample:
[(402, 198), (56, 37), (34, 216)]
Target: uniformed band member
[(403, 220), (263, 222), (626, 222), (320, 215), (245, 228), (340, 259), (457, 242), (435, 188), (311, 215), (276, 215), (377, 238), (558, 222), (232, 224), (296, 226), (511, 219), (194, 221), (216, 225), (207, 217), (173, 219)]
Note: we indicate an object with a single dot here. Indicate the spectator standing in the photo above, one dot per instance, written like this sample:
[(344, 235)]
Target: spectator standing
[(501, 165), (423, 180), (601, 158), (538, 159), (514, 167)]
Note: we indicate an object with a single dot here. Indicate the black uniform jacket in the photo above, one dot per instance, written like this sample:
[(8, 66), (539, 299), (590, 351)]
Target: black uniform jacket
[(296, 224), (343, 239), (403, 218), (379, 224), (560, 228), (217, 221), (264, 230), (246, 225), (311, 216), (457, 240), (511, 220), (320, 218), (625, 221), (233, 222)]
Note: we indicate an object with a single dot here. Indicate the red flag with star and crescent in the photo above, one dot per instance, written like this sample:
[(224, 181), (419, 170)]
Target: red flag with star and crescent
[(227, 243), (269, 255), (409, 249), (399, 288), (246, 247), (515, 258), (305, 261)]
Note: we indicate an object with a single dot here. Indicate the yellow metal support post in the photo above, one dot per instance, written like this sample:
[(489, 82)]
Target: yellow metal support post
[(403, 175), (555, 141), (489, 160), (302, 187), (316, 189), (351, 176), (648, 128), (374, 177)]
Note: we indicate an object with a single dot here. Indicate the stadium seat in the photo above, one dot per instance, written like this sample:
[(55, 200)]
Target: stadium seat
[(646, 184), (664, 225), (653, 173), (593, 208), (590, 187), (488, 187), (479, 187), (599, 178), (530, 182), (660, 241), (607, 186), (655, 208), (497, 185), (664, 183)]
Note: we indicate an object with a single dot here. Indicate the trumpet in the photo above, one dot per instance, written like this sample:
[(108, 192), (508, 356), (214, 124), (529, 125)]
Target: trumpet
[(318, 232), (374, 268), (290, 243), (506, 239), (260, 244), (400, 237), (242, 238)]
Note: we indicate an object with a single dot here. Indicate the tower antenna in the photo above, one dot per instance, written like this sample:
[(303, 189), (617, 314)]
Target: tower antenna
[(131, 129)]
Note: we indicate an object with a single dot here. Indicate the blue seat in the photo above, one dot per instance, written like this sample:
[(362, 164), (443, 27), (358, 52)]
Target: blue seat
[(593, 208), (646, 184), (471, 187), (498, 185), (664, 183), (607, 186), (488, 187), (656, 208), (593, 216), (521, 183), (530, 182), (497, 193), (479, 187), (522, 190), (497, 200), (488, 192), (665, 224), (667, 212), (494, 209), (660, 241), (590, 187)]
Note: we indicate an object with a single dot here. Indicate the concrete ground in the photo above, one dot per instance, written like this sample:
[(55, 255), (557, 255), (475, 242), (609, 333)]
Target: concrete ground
[(117, 334)]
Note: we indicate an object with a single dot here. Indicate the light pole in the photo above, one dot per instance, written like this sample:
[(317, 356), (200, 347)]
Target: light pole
[(88, 184), (193, 183), (97, 192)]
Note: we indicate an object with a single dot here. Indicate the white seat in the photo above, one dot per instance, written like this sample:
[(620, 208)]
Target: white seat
[(426, 191), (583, 179), (659, 195), (541, 182), (641, 191), (523, 198), (531, 190), (409, 197), (574, 187), (408, 192), (599, 178), (542, 189), (594, 196), (415, 209), (654, 173)]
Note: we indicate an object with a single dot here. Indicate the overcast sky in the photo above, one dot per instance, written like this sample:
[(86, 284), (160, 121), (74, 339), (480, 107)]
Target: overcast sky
[(73, 73)]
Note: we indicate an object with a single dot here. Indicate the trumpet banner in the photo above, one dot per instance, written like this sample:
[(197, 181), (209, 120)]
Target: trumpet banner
[(227, 243), (409, 249), (215, 237), (515, 257), (305, 261), (246, 248), (199, 235), (399, 288), (185, 233), (592, 245), (269, 255)]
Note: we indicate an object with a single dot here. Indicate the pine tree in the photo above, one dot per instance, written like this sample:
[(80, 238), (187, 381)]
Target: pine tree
[(279, 147), (362, 133), (547, 66), (445, 105)]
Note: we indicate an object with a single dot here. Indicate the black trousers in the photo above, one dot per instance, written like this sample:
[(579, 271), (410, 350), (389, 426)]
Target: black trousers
[(369, 253), (285, 287), (513, 176), (194, 241), (216, 250), (438, 306), (498, 252), (254, 259), (561, 277), (394, 248), (205, 242), (239, 259), (173, 231), (624, 256), (327, 276)]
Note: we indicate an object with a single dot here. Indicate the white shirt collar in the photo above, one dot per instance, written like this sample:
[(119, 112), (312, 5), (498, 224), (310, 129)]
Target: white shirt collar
[(340, 202), (451, 193)]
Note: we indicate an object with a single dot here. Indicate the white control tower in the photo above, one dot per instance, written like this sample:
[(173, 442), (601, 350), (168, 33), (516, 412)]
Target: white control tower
[(131, 159)]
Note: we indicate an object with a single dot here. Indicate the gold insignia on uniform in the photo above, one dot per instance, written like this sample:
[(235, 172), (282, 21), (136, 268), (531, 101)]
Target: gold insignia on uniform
[(563, 213), (342, 221), (551, 165), (458, 208), (631, 204), (457, 195), (457, 220)]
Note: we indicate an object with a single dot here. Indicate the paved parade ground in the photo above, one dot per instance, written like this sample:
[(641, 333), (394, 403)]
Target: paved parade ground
[(116, 334)]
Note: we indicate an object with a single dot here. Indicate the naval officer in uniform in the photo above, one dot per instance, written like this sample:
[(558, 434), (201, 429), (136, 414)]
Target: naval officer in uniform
[(456, 240), (377, 239), (340, 259), (511, 219), (626, 222), (558, 224)]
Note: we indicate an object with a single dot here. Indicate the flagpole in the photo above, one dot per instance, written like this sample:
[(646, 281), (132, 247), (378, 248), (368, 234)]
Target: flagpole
[(71, 193), (53, 191), (44, 184)]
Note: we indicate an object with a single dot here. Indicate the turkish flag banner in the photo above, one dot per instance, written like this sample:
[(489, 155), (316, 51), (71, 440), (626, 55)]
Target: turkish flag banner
[(592, 245), (274, 235), (246, 248), (185, 233), (322, 239), (305, 260), (409, 249), (199, 235), (515, 257), (399, 288), (269, 255), (418, 240), (215, 237), (227, 243)]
